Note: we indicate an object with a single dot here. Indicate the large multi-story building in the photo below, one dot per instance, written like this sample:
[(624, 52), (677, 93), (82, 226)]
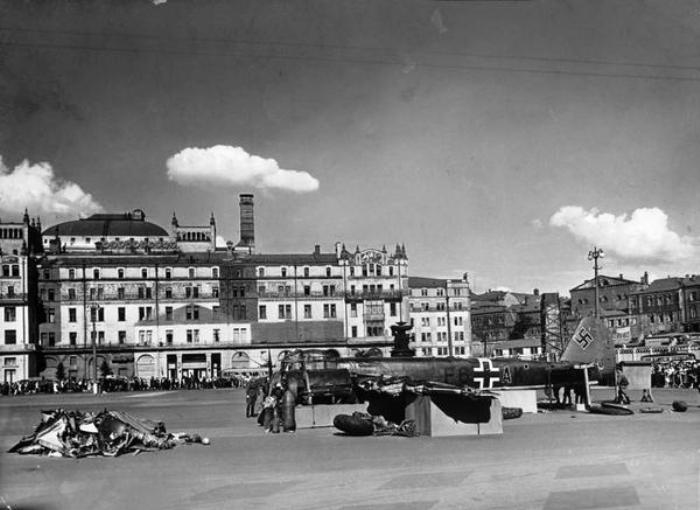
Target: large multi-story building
[(19, 243), (439, 314), (159, 304), (668, 305), (614, 304)]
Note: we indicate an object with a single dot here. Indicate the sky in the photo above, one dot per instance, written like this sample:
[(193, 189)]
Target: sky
[(503, 139)]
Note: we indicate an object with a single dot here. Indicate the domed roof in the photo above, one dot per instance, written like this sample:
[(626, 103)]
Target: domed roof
[(132, 224)]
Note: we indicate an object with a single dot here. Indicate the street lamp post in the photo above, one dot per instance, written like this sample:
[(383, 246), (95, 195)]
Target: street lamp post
[(95, 309), (594, 255)]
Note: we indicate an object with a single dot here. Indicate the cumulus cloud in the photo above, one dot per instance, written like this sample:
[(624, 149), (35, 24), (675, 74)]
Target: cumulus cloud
[(36, 188), (643, 236), (225, 165)]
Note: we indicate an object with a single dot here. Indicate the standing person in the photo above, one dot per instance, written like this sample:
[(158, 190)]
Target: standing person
[(260, 398), (622, 383), (250, 398)]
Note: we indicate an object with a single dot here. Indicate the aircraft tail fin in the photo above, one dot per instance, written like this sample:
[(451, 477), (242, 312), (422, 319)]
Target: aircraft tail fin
[(591, 343)]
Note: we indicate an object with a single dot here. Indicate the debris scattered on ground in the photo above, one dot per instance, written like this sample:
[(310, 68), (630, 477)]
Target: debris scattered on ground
[(76, 434), (510, 413), (679, 406), (363, 424)]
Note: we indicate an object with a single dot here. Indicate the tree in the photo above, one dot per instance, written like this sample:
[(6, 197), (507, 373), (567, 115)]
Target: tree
[(105, 369), (60, 372)]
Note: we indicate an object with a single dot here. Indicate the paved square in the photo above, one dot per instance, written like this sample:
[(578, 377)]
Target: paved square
[(421, 480), (591, 470), (583, 499)]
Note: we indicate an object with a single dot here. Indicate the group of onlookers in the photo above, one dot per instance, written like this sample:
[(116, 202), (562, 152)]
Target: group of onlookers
[(676, 374), (114, 384)]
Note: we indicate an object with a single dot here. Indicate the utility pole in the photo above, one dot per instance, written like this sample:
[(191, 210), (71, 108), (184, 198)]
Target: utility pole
[(594, 255), (450, 346), (95, 309)]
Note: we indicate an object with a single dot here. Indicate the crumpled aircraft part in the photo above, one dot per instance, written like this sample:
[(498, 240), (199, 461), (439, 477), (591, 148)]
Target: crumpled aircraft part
[(110, 433)]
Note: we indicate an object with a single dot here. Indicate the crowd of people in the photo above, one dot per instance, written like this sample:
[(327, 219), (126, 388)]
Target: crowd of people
[(676, 374), (114, 384)]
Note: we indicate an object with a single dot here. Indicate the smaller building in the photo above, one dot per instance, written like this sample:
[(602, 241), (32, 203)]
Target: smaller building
[(440, 314)]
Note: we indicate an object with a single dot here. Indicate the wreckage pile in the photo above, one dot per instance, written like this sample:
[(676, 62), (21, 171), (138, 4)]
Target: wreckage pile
[(363, 424), (76, 434)]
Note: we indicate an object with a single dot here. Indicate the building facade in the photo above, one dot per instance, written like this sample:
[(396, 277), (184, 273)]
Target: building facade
[(20, 242), (120, 294), (440, 316)]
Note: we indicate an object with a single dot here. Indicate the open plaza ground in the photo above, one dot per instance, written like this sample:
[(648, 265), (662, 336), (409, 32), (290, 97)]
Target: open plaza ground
[(554, 460)]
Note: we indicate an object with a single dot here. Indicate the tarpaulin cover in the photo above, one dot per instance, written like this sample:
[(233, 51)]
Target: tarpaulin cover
[(109, 433)]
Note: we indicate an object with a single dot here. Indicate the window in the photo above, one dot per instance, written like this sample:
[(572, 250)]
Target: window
[(392, 309), (440, 292), (261, 272), (142, 313), (10, 337), (424, 292), (215, 292), (188, 292), (168, 292), (379, 270), (168, 273), (72, 315), (96, 274), (121, 314), (71, 274), (353, 331), (142, 292), (169, 336), (262, 312), (328, 272), (391, 270), (352, 270), (196, 335), (306, 272), (189, 336), (307, 290), (144, 273), (288, 311), (192, 272), (353, 309), (47, 274), (283, 272), (52, 294), (10, 291), (280, 311), (149, 293), (52, 339), (168, 313), (71, 294), (51, 315), (120, 273), (192, 312), (120, 292), (73, 340), (6, 270), (326, 311), (195, 292), (214, 272), (121, 337), (307, 311), (333, 315), (217, 335)]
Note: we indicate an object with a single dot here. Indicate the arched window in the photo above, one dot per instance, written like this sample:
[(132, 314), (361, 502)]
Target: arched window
[(240, 359), (120, 273)]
